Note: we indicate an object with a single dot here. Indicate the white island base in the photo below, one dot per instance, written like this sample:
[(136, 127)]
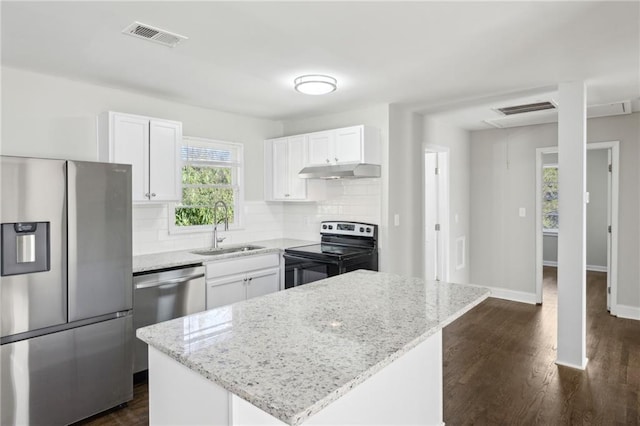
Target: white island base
[(407, 391)]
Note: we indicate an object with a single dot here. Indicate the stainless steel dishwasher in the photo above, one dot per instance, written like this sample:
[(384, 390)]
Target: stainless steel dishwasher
[(163, 295)]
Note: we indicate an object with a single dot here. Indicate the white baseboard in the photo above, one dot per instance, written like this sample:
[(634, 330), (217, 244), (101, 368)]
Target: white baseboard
[(513, 295), (577, 367), (550, 263), (596, 268), (629, 312)]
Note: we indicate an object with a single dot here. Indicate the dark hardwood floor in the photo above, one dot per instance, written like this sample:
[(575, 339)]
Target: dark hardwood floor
[(499, 367)]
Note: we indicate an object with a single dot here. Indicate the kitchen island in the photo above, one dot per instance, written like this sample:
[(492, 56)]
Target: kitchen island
[(359, 348)]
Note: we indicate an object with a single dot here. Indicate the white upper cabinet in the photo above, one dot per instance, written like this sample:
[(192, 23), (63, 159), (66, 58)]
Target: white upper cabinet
[(151, 146), (165, 164), (320, 147), (356, 144), (284, 158)]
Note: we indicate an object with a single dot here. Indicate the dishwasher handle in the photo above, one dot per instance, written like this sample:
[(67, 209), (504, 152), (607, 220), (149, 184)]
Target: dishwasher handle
[(165, 282)]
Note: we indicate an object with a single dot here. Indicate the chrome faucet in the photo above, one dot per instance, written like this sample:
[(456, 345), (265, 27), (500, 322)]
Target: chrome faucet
[(216, 239)]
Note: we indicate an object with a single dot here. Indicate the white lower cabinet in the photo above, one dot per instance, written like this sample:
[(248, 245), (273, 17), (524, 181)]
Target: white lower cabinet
[(235, 280)]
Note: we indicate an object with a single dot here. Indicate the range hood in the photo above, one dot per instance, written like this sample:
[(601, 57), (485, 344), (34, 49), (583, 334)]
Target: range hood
[(341, 171)]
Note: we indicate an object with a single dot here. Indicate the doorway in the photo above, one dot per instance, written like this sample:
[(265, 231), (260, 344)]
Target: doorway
[(601, 226), (436, 213)]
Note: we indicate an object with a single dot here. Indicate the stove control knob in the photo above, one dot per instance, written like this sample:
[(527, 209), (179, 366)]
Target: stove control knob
[(324, 226), (330, 226), (361, 229), (368, 229)]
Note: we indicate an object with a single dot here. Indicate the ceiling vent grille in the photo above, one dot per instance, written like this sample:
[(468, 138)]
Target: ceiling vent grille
[(520, 109), (157, 35)]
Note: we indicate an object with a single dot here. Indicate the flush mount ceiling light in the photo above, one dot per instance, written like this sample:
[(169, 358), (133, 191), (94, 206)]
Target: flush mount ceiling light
[(315, 84)]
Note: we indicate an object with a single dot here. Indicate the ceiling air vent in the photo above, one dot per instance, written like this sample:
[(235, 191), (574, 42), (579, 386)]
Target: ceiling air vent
[(520, 109), (147, 32)]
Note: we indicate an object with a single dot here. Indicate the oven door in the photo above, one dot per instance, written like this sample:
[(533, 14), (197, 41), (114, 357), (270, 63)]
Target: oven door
[(300, 270)]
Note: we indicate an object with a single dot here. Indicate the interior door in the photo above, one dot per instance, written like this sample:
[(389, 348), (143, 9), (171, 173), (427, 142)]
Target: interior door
[(609, 221), (431, 210)]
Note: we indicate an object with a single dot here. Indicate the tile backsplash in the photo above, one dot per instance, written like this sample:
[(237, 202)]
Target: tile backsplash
[(356, 200), (262, 221), (347, 199)]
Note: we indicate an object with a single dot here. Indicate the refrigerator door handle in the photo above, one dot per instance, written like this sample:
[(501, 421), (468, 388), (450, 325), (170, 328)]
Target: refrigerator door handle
[(163, 283), (72, 238)]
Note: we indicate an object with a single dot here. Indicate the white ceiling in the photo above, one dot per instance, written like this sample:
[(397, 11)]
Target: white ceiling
[(439, 57)]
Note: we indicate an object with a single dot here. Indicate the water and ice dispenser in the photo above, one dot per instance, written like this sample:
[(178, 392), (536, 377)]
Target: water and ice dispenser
[(25, 248)]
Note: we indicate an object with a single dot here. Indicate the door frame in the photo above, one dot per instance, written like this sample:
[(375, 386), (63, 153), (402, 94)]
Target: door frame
[(612, 244), (443, 205)]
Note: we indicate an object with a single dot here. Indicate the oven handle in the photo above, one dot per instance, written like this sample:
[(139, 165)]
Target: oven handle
[(309, 260)]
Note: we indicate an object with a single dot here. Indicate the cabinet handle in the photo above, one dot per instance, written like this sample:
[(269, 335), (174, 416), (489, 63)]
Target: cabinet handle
[(336, 158), (153, 194), (328, 161), (250, 280), (147, 195), (286, 195)]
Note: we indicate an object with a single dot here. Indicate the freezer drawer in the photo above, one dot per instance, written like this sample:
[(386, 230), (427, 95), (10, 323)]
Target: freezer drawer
[(64, 377), (161, 296)]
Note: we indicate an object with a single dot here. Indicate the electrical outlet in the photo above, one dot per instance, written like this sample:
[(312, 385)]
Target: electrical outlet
[(522, 212)]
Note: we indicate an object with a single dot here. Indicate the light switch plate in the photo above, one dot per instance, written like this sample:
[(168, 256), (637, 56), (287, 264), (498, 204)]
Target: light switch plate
[(522, 212)]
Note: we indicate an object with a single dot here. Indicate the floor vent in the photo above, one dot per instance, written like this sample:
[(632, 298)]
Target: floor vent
[(147, 32), (520, 109)]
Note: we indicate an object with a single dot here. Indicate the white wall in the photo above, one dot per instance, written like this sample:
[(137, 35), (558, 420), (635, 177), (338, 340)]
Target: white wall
[(405, 198), (47, 116), (437, 132), (503, 179), (357, 199)]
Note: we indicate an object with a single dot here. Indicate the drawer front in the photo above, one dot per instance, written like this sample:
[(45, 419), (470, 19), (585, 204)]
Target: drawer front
[(244, 264)]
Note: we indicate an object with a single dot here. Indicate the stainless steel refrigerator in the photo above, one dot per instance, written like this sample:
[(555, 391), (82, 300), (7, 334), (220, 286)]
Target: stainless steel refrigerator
[(66, 289)]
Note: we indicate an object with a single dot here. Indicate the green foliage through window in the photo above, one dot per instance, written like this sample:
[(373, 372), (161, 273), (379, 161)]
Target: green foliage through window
[(209, 174), (550, 198)]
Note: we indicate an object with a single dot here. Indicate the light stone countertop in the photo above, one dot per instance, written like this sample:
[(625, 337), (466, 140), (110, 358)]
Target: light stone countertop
[(294, 352), (170, 259)]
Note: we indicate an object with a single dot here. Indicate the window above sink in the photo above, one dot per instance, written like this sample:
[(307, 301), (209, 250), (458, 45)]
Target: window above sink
[(212, 171)]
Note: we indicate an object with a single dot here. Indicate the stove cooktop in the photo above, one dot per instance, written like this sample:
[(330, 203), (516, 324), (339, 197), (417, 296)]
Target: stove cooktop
[(325, 250)]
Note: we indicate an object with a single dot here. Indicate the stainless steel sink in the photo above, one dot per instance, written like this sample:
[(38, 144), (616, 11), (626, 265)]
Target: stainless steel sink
[(226, 250)]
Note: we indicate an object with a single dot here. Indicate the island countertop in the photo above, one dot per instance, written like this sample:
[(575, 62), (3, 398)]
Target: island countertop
[(294, 352)]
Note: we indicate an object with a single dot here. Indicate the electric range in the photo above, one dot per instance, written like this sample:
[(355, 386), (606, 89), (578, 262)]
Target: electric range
[(344, 247)]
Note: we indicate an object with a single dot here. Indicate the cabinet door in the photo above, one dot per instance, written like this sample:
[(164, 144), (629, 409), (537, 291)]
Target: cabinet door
[(280, 154), (226, 290), (319, 147), (297, 159), (130, 145), (263, 282), (348, 146), (165, 165)]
